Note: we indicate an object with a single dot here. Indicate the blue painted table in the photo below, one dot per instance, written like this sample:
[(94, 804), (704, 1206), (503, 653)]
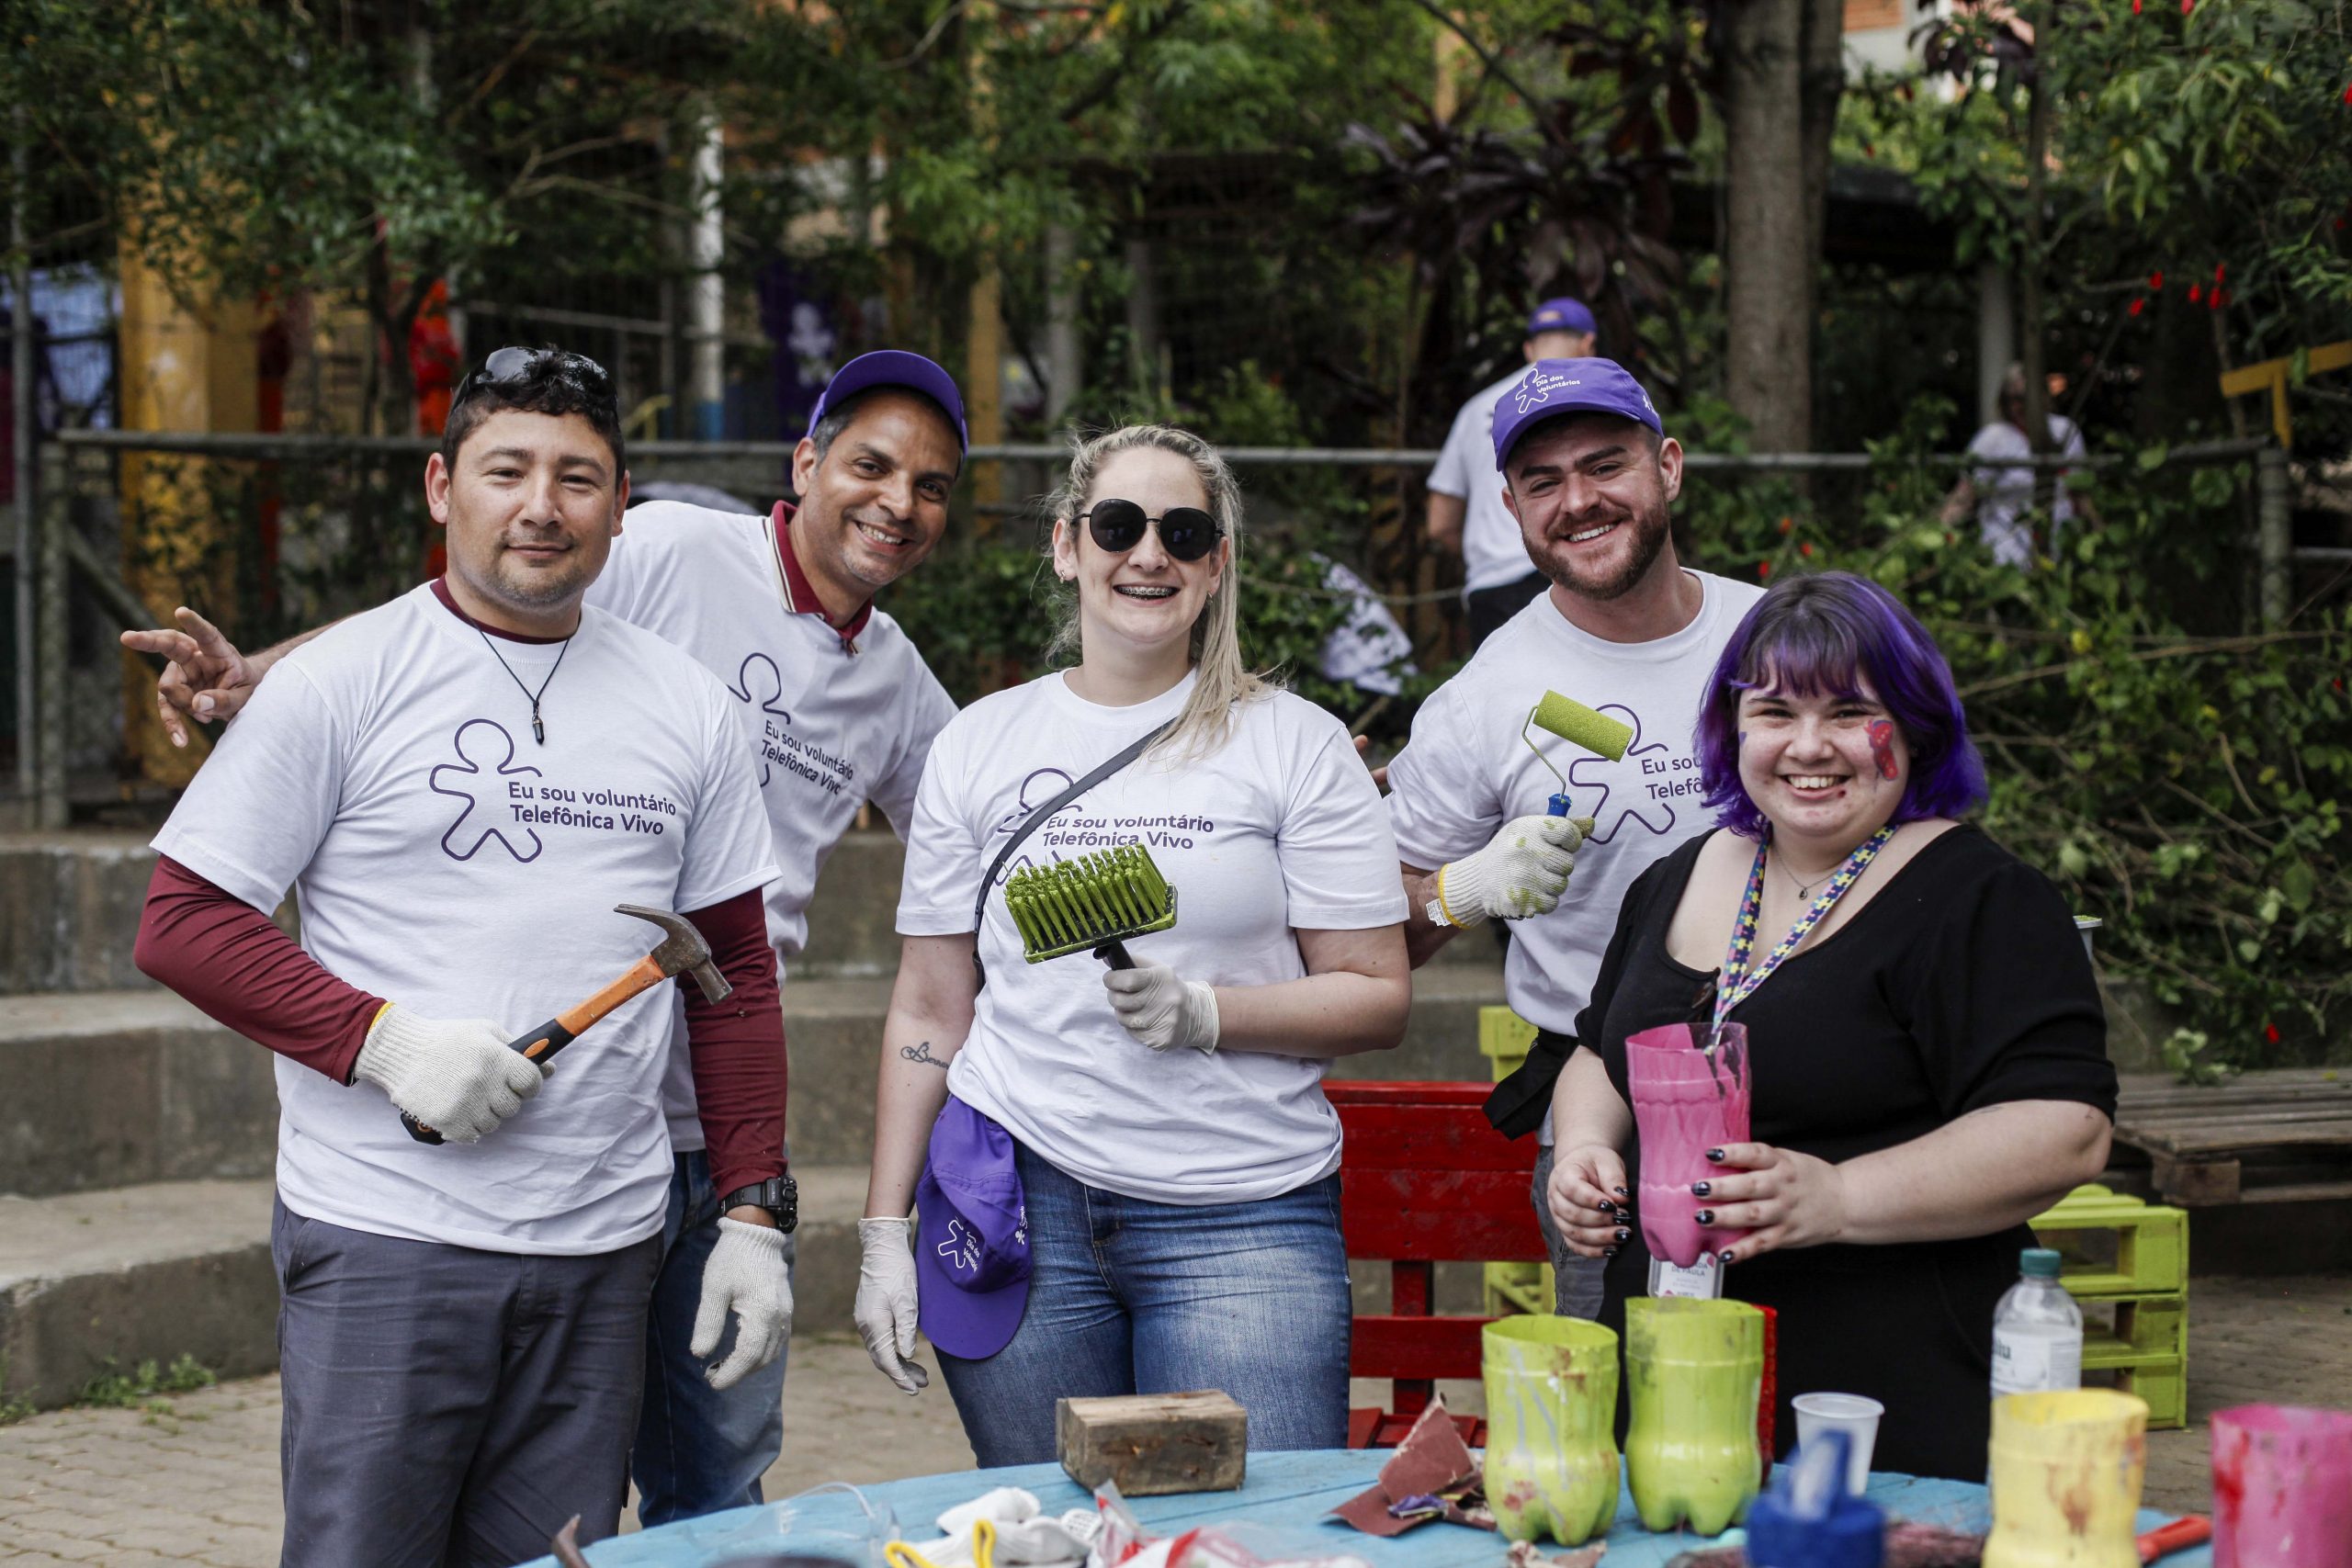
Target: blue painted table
[(1290, 1491)]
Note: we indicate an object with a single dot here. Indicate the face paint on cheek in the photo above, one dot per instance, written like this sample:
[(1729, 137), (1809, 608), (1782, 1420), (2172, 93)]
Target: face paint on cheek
[(1883, 747)]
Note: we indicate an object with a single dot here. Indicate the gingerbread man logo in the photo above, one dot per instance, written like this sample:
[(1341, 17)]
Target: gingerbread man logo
[(485, 754), (760, 683), (1625, 786)]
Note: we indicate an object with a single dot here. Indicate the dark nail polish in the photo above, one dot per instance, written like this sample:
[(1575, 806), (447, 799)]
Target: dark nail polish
[(1621, 1192), (1623, 1235), (1609, 1252), (1700, 1189), (1607, 1207), (1706, 1216), (1725, 1256), (1715, 1154)]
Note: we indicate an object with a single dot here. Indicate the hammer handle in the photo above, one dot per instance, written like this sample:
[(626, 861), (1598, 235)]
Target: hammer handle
[(539, 1045)]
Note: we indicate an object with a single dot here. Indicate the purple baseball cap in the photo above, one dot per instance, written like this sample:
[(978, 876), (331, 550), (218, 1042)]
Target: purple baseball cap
[(1560, 315), (1554, 387), (972, 1241), (896, 368)]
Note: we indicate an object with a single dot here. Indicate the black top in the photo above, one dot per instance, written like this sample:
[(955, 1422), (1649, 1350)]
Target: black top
[(1961, 983)]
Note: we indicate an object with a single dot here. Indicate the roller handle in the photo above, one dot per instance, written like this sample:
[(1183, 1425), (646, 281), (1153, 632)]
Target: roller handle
[(1557, 805), (1115, 954), (2189, 1530), (539, 1045)]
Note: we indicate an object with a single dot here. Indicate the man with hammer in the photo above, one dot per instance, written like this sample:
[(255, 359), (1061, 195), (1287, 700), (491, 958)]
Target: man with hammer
[(459, 786), (837, 708)]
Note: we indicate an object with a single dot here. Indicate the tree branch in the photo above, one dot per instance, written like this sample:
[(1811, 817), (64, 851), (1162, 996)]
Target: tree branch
[(1101, 87), (1494, 67)]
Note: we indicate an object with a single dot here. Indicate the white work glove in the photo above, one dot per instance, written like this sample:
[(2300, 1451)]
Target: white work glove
[(1161, 1008), (745, 1272), (454, 1075), (886, 1301), (1521, 872)]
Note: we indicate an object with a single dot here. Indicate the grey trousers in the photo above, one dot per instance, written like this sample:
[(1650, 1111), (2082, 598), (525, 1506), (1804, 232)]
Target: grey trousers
[(1575, 1281), (447, 1407)]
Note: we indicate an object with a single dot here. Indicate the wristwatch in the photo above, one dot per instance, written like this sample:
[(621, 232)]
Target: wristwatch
[(779, 1195)]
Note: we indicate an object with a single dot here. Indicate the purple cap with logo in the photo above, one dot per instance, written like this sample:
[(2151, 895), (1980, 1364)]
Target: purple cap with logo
[(1554, 387), (1560, 315), (896, 368), (972, 1239)]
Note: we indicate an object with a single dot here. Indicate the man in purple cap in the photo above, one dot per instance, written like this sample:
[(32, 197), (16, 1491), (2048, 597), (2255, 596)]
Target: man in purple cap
[(838, 708), (1465, 513), (1590, 476)]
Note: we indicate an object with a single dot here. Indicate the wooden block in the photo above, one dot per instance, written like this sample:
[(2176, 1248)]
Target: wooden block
[(1152, 1444)]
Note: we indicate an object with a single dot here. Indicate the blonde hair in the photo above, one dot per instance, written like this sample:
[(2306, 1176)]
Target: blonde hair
[(1223, 680)]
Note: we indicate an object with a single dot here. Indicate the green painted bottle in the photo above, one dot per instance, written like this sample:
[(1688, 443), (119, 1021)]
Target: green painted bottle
[(1695, 1370)]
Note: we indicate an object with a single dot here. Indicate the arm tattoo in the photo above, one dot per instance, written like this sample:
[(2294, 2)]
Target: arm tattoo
[(920, 1051)]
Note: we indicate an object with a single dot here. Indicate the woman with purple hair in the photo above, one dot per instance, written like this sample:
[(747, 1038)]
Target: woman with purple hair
[(1927, 1048)]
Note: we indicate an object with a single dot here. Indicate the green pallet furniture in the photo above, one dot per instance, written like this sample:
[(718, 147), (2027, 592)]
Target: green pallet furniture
[(2135, 1325)]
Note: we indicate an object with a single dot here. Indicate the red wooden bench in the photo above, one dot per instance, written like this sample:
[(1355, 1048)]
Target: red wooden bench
[(1424, 1180)]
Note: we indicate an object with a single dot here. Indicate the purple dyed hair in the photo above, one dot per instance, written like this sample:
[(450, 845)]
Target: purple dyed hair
[(1829, 632)]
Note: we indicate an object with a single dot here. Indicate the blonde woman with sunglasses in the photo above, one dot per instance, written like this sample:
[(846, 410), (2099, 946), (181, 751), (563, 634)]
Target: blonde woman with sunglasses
[(1126, 1177)]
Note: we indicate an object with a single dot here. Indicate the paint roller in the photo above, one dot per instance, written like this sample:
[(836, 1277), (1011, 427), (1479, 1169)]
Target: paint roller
[(1579, 726)]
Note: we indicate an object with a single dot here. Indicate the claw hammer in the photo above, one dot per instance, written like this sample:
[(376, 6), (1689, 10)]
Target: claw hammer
[(682, 951)]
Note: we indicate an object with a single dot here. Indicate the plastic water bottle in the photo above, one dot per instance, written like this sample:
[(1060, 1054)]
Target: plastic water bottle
[(2037, 1330)]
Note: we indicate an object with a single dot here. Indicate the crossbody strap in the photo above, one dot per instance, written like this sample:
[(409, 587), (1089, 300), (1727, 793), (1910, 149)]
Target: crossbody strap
[(1037, 818)]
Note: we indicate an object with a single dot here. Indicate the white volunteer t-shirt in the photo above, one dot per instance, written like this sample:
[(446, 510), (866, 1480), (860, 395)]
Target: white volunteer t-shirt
[(827, 728), (2005, 495), (444, 861), (1465, 772), (1279, 831), (1493, 550)]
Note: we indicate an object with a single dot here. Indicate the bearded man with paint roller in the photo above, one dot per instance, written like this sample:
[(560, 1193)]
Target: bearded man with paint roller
[(460, 785), (1496, 819)]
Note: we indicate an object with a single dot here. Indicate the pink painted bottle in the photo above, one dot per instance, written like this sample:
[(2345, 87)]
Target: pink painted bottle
[(1691, 1094), (2282, 1487)]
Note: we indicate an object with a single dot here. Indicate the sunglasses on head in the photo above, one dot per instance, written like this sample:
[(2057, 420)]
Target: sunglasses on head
[(509, 367), (1186, 532)]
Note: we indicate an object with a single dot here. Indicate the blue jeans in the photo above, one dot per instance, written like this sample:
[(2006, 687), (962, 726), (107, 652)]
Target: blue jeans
[(1135, 1297), (699, 1448), (1575, 1278)]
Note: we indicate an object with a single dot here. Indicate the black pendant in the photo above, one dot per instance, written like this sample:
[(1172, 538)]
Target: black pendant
[(539, 730)]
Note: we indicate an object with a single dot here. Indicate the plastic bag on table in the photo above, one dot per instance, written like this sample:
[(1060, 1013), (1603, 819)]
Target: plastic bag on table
[(1124, 1543)]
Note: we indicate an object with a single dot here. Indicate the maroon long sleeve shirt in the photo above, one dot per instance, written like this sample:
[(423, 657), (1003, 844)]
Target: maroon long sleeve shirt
[(234, 962)]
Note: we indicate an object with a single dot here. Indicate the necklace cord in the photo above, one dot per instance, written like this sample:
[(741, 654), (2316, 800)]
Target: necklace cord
[(538, 729)]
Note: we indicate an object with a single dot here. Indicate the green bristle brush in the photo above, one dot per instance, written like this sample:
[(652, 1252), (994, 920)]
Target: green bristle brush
[(1092, 903)]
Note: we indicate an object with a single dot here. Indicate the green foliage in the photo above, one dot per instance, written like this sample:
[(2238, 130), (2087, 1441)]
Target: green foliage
[(137, 1388), (12, 1408)]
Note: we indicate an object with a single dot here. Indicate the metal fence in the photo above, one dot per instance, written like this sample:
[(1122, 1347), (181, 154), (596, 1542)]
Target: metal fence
[(354, 504)]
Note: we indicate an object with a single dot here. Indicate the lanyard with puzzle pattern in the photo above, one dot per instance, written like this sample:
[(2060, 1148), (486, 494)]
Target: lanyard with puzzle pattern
[(1739, 982)]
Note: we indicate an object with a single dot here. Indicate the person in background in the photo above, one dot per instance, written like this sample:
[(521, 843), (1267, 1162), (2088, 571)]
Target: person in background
[(1466, 514), (1127, 1178), (1927, 1055), (2001, 490), (1626, 628)]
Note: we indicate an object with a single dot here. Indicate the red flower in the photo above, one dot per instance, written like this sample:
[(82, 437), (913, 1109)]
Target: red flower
[(2135, 7), (1805, 550), (2271, 1033), (2195, 294), (2187, 6), (2221, 271), (1763, 569), (1786, 523), (2156, 282), (2137, 305), (2348, 86), (2217, 298)]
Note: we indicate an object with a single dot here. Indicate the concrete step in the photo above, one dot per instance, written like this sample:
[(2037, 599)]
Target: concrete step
[(91, 1281), (68, 909), (109, 1088), (70, 902), (94, 1281)]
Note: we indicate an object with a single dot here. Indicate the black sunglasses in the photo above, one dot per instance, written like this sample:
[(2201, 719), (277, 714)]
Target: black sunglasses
[(1186, 532), (506, 366)]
